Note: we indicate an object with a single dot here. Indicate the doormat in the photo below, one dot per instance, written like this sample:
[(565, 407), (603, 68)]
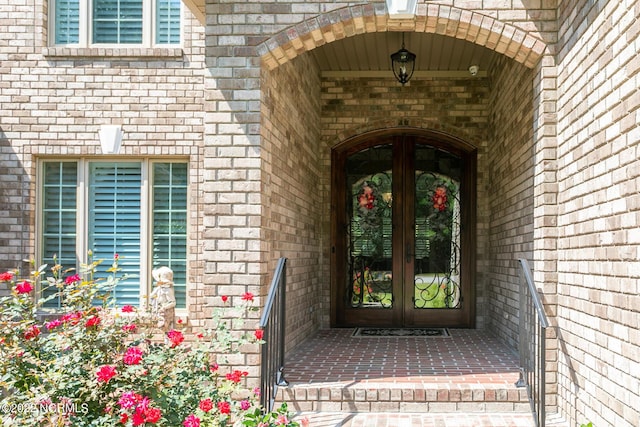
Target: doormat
[(401, 332)]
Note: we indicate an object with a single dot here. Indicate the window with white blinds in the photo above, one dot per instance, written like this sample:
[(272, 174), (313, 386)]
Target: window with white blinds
[(67, 20), (114, 196), (117, 21), (170, 221), (144, 23), (59, 206), (168, 22), (114, 222)]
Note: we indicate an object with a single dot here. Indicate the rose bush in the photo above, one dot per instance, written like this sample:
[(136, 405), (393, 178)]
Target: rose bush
[(92, 364)]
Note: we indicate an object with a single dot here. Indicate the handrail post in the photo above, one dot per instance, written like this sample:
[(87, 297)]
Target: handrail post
[(532, 325), (522, 329), (280, 381), (273, 323)]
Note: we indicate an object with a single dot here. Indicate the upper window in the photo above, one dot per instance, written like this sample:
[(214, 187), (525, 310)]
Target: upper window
[(135, 209), (145, 23)]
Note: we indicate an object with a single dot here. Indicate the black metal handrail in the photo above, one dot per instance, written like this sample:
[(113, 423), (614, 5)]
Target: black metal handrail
[(272, 323), (533, 324)]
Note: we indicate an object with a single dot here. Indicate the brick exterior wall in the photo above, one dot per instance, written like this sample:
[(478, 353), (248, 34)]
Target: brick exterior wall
[(509, 201), (557, 181), (598, 211), (53, 101), (295, 193)]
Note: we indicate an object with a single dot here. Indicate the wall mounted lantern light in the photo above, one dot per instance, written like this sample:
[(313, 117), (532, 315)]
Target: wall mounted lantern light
[(403, 63), (110, 138)]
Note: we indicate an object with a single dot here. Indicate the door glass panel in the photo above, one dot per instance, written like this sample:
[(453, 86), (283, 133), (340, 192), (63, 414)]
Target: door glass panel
[(369, 251), (437, 229)]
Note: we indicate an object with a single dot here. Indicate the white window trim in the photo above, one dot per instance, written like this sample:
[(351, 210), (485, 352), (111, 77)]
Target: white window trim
[(85, 26), (82, 223)]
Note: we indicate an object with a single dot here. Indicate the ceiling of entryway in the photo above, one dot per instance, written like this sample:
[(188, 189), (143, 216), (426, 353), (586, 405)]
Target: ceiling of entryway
[(369, 53)]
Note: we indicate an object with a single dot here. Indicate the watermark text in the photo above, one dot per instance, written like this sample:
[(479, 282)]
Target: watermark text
[(44, 408)]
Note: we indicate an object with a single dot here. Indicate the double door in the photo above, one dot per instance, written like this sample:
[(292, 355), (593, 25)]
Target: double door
[(403, 233)]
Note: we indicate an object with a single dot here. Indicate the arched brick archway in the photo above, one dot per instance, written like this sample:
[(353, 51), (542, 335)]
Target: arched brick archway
[(472, 26), (281, 88)]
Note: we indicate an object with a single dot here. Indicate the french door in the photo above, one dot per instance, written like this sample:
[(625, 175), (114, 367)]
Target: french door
[(403, 215)]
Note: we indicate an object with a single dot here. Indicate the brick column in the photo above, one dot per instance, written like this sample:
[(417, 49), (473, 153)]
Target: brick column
[(231, 190), (545, 211)]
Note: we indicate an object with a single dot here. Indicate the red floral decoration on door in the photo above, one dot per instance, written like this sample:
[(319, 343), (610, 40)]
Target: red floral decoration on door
[(439, 199), (366, 198)]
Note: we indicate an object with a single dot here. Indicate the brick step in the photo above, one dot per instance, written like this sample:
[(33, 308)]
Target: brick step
[(459, 419), (408, 398)]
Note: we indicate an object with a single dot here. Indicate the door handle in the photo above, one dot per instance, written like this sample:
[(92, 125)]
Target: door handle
[(408, 255)]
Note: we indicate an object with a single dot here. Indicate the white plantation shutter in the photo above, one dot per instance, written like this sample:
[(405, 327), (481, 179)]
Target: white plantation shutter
[(59, 217), (67, 21), (167, 21), (170, 183), (114, 222), (117, 21), (125, 22), (110, 212)]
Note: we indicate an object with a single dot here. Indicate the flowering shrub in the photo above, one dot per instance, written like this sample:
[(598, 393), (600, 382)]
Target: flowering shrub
[(91, 364)]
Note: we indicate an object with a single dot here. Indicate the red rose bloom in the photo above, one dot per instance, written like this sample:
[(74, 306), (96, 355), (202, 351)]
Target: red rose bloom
[(93, 321), (129, 328), (152, 415), (236, 376), (53, 324), (224, 407), (175, 337), (32, 332), (6, 277), (132, 356), (129, 399), (191, 421), (259, 333), (72, 318), (128, 309), (72, 279), (138, 418), (105, 373), (24, 287), (206, 405), (247, 296), (225, 298)]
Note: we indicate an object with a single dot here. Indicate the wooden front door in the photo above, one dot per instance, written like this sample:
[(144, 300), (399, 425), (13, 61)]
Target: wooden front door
[(403, 234)]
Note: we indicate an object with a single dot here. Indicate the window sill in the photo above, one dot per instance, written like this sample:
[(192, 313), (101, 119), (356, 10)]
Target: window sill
[(114, 52)]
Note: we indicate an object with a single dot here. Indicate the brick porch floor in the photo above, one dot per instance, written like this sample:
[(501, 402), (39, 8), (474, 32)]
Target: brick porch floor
[(466, 379)]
